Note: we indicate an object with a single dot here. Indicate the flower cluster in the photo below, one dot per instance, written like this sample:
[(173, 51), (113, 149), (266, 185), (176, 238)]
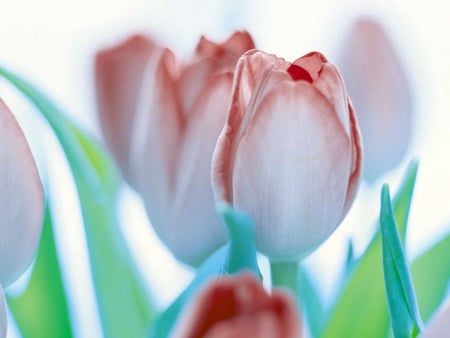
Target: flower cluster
[(233, 151), (279, 140)]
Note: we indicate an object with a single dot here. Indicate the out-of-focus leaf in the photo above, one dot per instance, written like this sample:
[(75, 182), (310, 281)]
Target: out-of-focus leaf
[(403, 309), (41, 310), (237, 255), (126, 309), (361, 309), (431, 276)]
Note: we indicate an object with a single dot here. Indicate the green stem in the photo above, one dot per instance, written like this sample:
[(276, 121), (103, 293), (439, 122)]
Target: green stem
[(285, 274)]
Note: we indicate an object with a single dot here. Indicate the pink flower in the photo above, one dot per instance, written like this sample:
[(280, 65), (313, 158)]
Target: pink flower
[(161, 120), (239, 307), (381, 95), (290, 152), (21, 205)]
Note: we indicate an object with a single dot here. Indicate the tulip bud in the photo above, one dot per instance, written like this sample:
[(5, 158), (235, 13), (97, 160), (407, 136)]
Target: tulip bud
[(381, 96), (21, 205), (238, 306), (290, 152), (177, 110)]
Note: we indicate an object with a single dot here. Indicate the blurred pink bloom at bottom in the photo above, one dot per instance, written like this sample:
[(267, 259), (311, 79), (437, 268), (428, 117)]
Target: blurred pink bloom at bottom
[(238, 307)]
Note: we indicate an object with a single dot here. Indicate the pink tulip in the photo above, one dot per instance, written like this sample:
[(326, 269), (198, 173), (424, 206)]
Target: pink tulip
[(239, 307), (21, 205), (439, 324), (381, 95), (161, 119), (290, 152)]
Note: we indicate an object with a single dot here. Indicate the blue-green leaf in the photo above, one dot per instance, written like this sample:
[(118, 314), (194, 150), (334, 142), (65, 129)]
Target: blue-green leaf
[(361, 310), (242, 247), (126, 309), (401, 298), (237, 255), (311, 304), (41, 311)]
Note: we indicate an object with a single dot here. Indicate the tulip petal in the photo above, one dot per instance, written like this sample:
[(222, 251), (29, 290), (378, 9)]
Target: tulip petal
[(155, 141), (193, 81), (309, 151), (331, 85), (380, 92), (118, 76), (237, 44), (21, 200), (357, 156), (3, 317), (245, 96), (193, 188)]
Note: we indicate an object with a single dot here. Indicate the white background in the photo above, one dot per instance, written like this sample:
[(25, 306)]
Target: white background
[(52, 43)]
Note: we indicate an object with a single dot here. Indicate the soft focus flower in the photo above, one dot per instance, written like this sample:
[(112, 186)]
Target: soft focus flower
[(290, 152), (21, 205), (161, 120), (239, 307), (380, 92), (439, 324)]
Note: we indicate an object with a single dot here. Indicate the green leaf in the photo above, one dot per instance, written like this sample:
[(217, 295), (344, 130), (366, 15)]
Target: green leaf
[(41, 310), (126, 310), (237, 255), (401, 298), (431, 276), (361, 309)]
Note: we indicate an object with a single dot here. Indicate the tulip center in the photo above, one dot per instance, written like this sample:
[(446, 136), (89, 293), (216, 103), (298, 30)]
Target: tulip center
[(299, 73)]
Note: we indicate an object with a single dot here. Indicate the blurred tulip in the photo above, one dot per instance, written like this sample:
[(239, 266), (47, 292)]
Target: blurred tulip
[(380, 92), (239, 307), (290, 152), (21, 196), (439, 324), (161, 120), (21, 204)]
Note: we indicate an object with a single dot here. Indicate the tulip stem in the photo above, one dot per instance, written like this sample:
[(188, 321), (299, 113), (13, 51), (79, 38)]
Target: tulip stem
[(285, 274)]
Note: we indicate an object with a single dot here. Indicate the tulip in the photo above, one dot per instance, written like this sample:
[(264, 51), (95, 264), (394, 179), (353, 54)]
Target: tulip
[(239, 307), (439, 324), (21, 205), (380, 92), (161, 119), (290, 151)]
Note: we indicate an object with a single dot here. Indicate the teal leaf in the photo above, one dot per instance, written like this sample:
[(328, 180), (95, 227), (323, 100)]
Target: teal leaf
[(401, 298), (311, 305), (242, 247), (360, 310), (239, 254), (126, 310), (41, 311)]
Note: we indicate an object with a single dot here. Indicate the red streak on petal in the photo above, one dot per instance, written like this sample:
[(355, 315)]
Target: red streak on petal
[(299, 73)]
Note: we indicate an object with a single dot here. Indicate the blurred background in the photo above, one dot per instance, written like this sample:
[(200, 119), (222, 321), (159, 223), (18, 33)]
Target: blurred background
[(52, 43)]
